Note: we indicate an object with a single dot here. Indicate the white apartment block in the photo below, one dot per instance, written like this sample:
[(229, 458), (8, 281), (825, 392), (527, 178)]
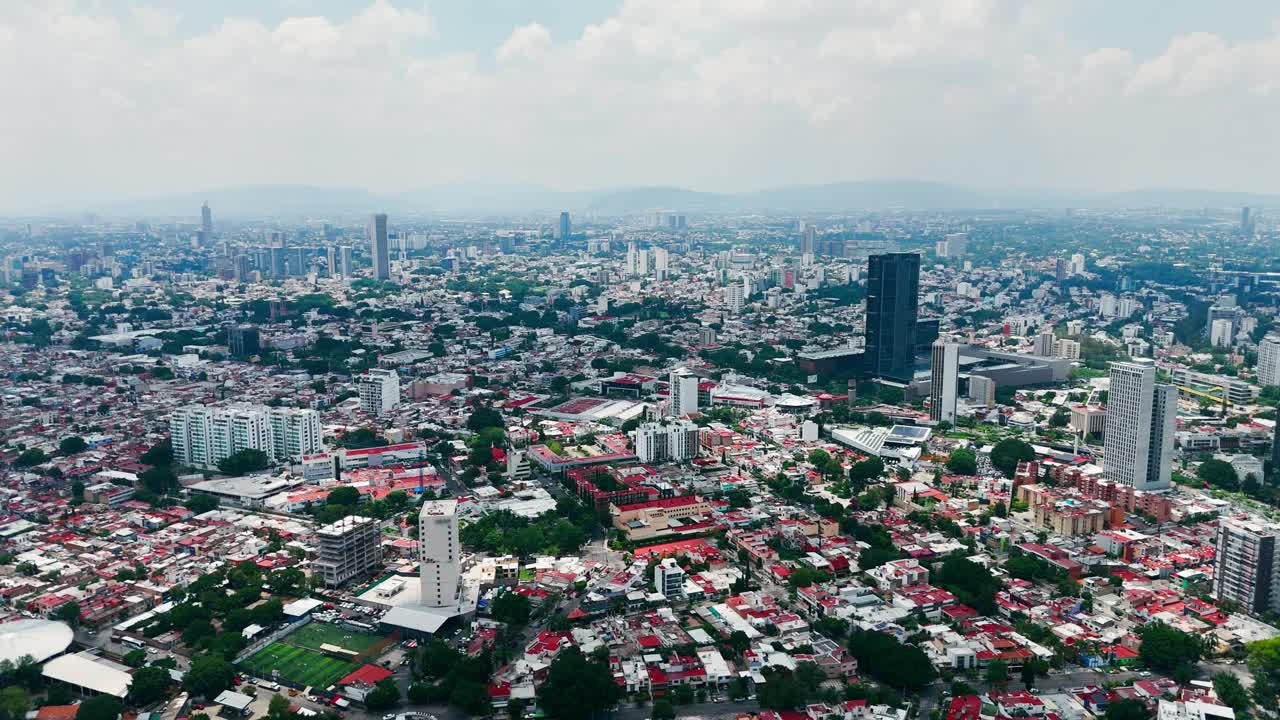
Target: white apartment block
[(944, 380), (1248, 569), (683, 393), (1140, 425), (1069, 349), (666, 440), (203, 435), (439, 553), (379, 391)]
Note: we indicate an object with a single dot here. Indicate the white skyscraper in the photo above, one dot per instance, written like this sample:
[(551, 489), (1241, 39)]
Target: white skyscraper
[(1141, 420), (1221, 332), (1044, 343), (1077, 264), (1269, 360), (957, 244), (379, 247), (439, 553), (379, 391), (661, 263), (684, 393), (944, 376)]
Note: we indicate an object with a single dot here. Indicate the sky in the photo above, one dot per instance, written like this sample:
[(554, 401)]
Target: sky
[(111, 99)]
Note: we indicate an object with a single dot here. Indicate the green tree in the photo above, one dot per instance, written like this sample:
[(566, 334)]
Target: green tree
[(344, 495), (512, 608), (244, 462), (149, 685), (385, 695), (1007, 453), (159, 454), (68, 612), (100, 707), (963, 461), (866, 470), (1028, 675), (135, 658), (1218, 473), (159, 480), (72, 445), (576, 688), (208, 676), (30, 457), (1264, 666), (971, 583), (14, 702), (1231, 691), (1168, 649), (1126, 709), (997, 673), (663, 710)]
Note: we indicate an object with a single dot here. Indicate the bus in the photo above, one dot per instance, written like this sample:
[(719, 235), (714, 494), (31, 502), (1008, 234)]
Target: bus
[(134, 643)]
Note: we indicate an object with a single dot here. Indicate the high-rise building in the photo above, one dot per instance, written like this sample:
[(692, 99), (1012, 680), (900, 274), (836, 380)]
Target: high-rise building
[(982, 390), (666, 440), (379, 247), (347, 260), (1138, 447), (1246, 221), (809, 241), (944, 377), (1220, 332), (202, 436), (893, 303), (206, 224), (331, 260), (1069, 349), (565, 230), (661, 263), (706, 336), (349, 548), (1077, 264), (1247, 569), (957, 244), (1044, 343), (379, 391), (684, 393), (439, 553), (278, 265), (1269, 360), (244, 341), (734, 297)]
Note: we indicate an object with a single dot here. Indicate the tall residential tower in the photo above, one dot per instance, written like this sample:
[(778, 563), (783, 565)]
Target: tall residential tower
[(1138, 443)]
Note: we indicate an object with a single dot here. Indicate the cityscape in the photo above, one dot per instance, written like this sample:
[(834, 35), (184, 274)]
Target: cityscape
[(835, 450)]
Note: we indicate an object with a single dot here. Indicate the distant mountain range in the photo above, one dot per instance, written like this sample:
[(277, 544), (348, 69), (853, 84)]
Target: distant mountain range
[(304, 200)]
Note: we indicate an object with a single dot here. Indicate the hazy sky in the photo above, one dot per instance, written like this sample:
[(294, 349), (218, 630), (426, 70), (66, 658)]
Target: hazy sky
[(112, 98)]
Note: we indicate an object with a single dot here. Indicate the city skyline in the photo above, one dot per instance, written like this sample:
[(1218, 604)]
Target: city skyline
[(985, 94)]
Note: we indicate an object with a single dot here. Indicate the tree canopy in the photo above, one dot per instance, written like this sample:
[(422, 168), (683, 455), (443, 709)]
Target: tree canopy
[(577, 688)]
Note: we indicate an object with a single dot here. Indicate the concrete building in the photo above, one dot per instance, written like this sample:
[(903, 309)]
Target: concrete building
[(202, 436), (666, 441), (1088, 419), (349, 548), (734, 297), (1138, 447), (1044, 344), (982, 390), (1069, 349), (379, 391), (379, 247), (668, 577), (944, 378), (439, 553), (1247, 571), (684, 393)]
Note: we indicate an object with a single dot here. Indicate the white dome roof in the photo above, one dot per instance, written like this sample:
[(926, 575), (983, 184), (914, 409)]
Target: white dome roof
[(41, 639)]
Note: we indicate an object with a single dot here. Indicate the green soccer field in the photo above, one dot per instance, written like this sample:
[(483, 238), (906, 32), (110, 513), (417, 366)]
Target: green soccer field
[(297, 665), (315, 634)]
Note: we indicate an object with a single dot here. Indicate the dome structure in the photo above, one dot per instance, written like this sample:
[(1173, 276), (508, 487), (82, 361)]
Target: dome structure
[(41, 639)]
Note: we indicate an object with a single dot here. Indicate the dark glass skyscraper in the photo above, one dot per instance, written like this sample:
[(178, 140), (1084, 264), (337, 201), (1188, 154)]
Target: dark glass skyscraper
[(893, 305)]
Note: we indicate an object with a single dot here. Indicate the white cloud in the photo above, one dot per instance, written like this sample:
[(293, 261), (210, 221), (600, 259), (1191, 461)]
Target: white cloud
[(717, 94)]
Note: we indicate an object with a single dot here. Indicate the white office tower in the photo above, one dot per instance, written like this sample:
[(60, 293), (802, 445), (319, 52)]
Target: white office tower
[(379, 391), (1140, 425), (957, 244), (809, 243), (1269, 360), (1044, 343), (1221, 332), (203, 436), (379, 247), (684, 393), (349, 548), (734, 297), (1077, 264), (1247, 571), (673, 440), (944, 375), (661, 263), (439, 553)]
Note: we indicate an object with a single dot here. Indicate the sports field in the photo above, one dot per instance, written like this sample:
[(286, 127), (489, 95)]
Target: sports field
[(297, 657)]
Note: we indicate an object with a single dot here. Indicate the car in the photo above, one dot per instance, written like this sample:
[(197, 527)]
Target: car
[(198, 706), (389, 716), (1145, 673)]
